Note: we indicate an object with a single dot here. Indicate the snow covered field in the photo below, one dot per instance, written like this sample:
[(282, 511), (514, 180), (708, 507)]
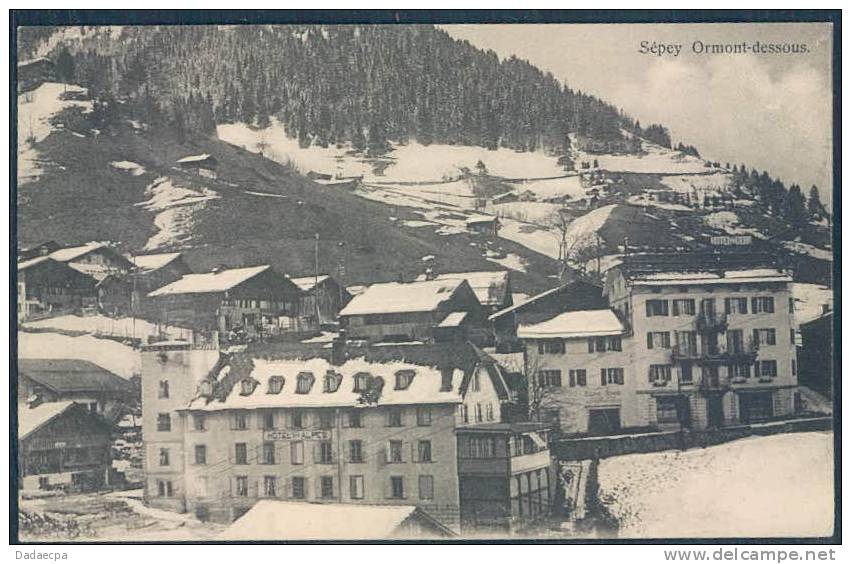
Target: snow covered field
[(655, 159), (175, 206), (809, 299), (729, 222), (703, 184), (781, 485)]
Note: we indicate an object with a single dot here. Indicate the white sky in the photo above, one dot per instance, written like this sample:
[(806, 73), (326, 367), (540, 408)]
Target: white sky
[(769, 111)]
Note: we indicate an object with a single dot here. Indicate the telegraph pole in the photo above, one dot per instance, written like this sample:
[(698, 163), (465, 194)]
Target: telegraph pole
[(316, 279)]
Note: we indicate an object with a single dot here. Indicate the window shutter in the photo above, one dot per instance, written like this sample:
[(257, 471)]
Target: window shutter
[(756, 336), (572, 378), (650, 374), (620, 376), (415, 457), (387, 453), (650, 340), (590, 344), (602, 376), (753, 304), (676, 307), (648, 309)]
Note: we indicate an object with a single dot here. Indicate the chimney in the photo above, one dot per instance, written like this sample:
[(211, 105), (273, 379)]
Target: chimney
[(430, 273), (338, 349)]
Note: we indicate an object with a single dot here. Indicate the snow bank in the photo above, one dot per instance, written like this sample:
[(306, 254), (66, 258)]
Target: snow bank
[(746, 488), (128, 166), (704, 184), (581, 232), (176, 206), (730, 223), (809, 299), (511, 261), (111, 355), (654, 160), (538, 239), (554, 187), (806, 249)]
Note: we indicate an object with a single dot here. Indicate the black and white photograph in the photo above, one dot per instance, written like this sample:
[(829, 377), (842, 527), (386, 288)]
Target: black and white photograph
[(424, 277)]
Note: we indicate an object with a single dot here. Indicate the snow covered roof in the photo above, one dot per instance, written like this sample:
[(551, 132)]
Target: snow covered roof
[(32, 262), (153, 262), (710, 277), (454, 319), (31, 419), (71, 253), (395, 297), (481, 219), (572, 324), (489, 286), (195, 158), (209, 282), (306, 283), (287, 520), (68, 375)]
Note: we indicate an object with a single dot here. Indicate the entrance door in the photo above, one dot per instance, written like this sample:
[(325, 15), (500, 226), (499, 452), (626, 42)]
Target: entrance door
[(604, 421), (756, 407), (715, 411)]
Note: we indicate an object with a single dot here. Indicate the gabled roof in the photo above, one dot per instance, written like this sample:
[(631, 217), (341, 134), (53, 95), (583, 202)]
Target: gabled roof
[(676, 278), (148, 263), (209, 282), (70, 253), (68, 375), (194, 159), (287, 520), (32, 419), (489, 286), (573, 324), (395, 297), (306, 283), (23, 265)]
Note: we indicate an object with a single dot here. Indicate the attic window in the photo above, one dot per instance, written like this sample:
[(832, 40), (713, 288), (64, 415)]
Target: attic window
[(206, 388), (332, 381), (304, 382), (404, 379), (247, 386), (276, 384), (362, 381), (446, 380)]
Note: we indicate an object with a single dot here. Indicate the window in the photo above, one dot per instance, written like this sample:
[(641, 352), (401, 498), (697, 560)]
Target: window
[(297, 452), (276, 384), (198, 421), (465, 414), (355, 419), (424, 451), (304, 382), (426, 487), (162, 391), (164, 488), (611, 376), (549, 378), (614, 343), (43, 482), (404, 379), (603, 344), (163, 422), (578, 377), (660, 374), (686, 373), (240, 421), (659, 340), (478, 413), (326, 453), (326, 420), (298, 420), (332, 381), (326, 486), (394, 452), (482, 447), (791, 305), (762, 304), (268, 420), (240, 453), (164, 457), (792, 336), (551, 346), (739, 371), (446, 379), (489, 412), (477, 385), (268, 452), (666, 410), (735, 341), (247, 386), (397, 487), (423, 416), (394, 417), (657, 308), (686, 342), (298, 490), (200, 454), (270, 486), (794, 367), (767, 369), (356, 451), (683, 307), (735, 305), (362, 381), (242, 486), (765, 337), (356, 487), (707, 307)]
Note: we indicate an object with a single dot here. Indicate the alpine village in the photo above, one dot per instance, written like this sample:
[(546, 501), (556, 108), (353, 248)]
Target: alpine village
[(372, 282)]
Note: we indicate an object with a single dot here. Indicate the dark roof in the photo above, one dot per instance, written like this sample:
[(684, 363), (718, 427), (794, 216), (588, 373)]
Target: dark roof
[(695, 261), (71, 375), (516, 427), (576, 295)]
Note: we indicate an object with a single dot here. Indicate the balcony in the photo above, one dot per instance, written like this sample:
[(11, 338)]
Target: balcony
[(740, 353), (713, 384), (709, 322)]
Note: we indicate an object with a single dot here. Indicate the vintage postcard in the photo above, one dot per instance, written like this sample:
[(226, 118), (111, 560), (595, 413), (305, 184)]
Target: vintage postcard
[(412, 278)]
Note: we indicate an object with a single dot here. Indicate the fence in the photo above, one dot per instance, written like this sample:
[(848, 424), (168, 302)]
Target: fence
[(601, 447)]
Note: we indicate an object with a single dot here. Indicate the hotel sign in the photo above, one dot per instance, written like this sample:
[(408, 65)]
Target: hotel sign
[(301, 435)]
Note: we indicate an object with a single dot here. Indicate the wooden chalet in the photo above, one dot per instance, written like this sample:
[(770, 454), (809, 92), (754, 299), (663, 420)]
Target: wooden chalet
[(322, 299), (48, 287)]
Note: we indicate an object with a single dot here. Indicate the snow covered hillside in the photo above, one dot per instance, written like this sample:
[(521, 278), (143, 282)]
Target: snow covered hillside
[(746, 488)]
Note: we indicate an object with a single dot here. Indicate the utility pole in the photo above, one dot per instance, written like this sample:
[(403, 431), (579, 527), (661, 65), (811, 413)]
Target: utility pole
[(316, 279)]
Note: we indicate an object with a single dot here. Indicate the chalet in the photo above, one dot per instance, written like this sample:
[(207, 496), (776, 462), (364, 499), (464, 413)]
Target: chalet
[(486, 225), (151, 272), (203, 165), (492, 287), (815, 354), (62, 445), (504, 198), (313, 175), (47, 286), (410, 311), (52, 380), (573, 296), (256, 302), (96, 259), (276, 520), (322, 299), (40, 250), (34, 72)]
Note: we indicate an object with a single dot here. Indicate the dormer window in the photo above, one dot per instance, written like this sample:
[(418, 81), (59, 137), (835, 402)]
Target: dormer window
[(332, 381), (362, 381), (276, 384), (247, 386), (304, 382), (404, 379), (446, 380), (205, 389)]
